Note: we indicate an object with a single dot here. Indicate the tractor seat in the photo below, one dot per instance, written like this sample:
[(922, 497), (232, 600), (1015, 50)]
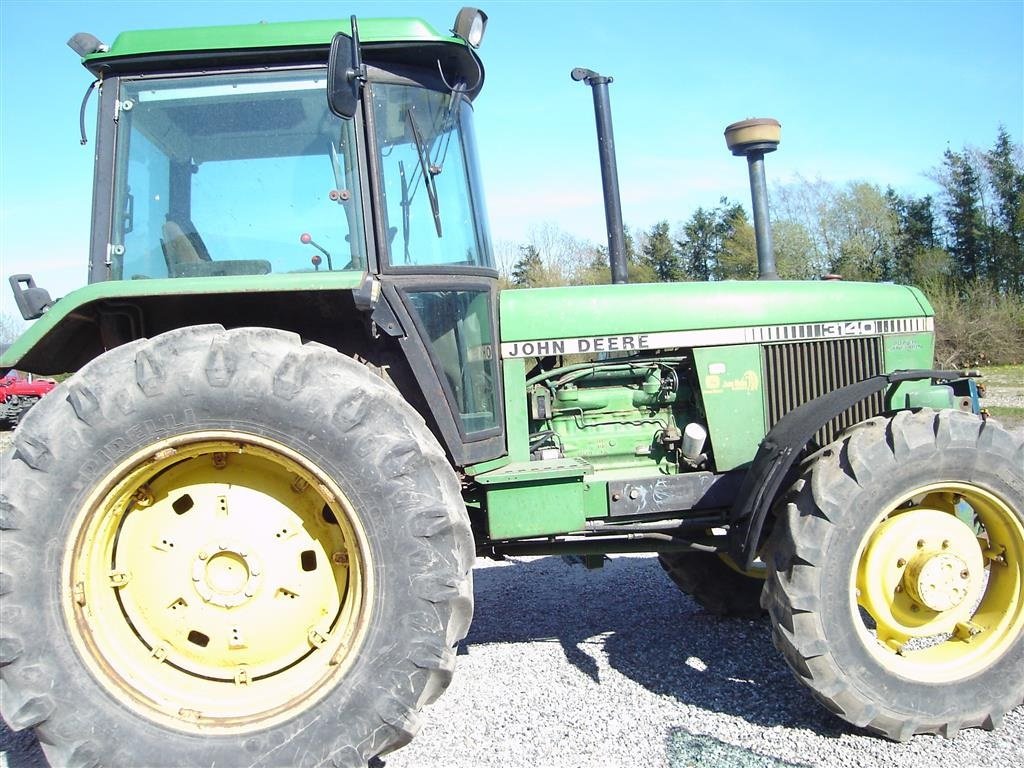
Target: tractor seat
[(182, 245)]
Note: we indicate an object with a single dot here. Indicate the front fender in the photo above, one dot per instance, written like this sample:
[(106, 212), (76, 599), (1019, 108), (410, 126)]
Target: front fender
[(784, 444)]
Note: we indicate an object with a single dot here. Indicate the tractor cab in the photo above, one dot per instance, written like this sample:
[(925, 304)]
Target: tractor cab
[(226, 171)]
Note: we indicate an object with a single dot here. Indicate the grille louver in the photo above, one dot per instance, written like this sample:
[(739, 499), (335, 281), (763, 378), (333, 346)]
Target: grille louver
[(798, 372)]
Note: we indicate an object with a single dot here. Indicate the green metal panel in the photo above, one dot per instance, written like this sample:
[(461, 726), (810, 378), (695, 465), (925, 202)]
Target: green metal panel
[(517, 421), (604, 310), (517, 425), (731, 387), (534, 498), (275, 35), (527, 472), (937, 396), (66, 308), (908, 352), (544, 507), (595, 499)]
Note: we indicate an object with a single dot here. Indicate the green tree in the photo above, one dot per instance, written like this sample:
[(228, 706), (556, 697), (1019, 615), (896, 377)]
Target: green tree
[(851, 230), (866, 231), (661, 256), (528, 271), (1005, 171), (964, 211), (704, 236), (791, 244), (917, 256)]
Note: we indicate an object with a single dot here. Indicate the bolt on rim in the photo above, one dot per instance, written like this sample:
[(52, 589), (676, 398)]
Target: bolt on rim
[(217, 580)]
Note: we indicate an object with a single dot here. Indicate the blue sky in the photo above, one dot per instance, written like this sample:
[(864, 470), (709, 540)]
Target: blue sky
[(864, 91)]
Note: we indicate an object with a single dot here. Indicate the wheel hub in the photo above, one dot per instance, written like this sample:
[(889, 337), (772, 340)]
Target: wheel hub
[(227, 578), (937, 580), (920, 574)]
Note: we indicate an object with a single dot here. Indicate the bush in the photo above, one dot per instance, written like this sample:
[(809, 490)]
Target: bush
[(976, 325)]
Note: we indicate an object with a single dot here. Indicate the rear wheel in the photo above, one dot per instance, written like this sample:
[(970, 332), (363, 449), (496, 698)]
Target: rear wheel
[(896, 577), (228, 548)]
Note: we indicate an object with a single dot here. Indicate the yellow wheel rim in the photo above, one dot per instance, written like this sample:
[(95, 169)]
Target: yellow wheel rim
[(939, 582), (217, 581)]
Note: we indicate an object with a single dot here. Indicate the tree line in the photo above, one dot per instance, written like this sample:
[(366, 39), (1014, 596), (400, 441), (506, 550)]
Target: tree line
[(973, 229), (964, 246)]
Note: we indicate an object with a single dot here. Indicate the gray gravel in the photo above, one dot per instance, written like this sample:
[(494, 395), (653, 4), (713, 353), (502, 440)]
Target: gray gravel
[(565, 667)]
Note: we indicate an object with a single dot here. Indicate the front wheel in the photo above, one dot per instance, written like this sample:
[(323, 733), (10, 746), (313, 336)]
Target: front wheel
[(228, 548), (896, 574)]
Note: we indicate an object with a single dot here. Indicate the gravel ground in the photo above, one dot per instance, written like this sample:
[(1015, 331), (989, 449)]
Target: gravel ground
[(565, 667)]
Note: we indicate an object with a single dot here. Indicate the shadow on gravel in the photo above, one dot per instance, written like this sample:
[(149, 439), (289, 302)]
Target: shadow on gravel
[(686, 749), (19, 750), (650, 632)]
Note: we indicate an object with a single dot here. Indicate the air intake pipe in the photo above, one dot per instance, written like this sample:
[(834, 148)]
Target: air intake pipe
[(755, 138)]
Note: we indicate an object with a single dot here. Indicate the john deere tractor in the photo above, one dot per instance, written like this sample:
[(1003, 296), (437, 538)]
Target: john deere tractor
[(243, 531)]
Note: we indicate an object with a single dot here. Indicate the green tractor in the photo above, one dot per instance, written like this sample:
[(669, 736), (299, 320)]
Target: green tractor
[(243, 531)]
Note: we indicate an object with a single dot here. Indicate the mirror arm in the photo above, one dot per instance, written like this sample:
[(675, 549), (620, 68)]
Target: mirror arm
[(358, 71)]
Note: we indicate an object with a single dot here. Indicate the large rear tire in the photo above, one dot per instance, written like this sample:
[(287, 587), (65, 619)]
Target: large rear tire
[(227, 548), (896, 574)]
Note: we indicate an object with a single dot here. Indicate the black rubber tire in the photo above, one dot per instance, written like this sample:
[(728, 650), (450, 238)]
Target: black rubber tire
[(822, 523), (716, 586), (313, 400), (16, 412)]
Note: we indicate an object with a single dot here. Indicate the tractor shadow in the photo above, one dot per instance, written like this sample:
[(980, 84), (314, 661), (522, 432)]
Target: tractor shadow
[(649, 632)]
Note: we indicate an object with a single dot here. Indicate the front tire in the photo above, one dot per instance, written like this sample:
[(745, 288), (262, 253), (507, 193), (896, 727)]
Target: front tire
[(896, 574), (226, 547)]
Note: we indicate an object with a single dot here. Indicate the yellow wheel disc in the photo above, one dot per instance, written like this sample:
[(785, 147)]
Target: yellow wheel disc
[(217, 581), (939, 582)]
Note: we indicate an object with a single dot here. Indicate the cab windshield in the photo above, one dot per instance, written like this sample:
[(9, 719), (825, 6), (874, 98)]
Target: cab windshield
[(234, 174), (433, 204)]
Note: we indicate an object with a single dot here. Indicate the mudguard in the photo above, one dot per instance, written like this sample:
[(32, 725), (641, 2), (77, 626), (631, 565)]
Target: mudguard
[(784, 444)]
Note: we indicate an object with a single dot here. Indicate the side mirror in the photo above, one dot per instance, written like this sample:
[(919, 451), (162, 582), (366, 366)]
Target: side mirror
[(345, 73)]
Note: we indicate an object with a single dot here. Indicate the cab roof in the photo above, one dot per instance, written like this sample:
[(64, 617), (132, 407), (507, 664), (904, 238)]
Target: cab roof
[(150, 50)]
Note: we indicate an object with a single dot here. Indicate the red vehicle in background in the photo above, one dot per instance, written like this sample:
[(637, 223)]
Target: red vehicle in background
[(18, 394)]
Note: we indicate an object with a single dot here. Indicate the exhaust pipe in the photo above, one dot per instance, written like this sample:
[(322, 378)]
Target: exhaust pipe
[(609, 170), (755, 138)]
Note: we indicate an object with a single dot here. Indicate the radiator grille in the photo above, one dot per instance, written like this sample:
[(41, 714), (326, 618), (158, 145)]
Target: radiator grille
[(798, 372)]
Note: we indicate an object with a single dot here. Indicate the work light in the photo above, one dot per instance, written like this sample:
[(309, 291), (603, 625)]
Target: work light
[(470, 25)]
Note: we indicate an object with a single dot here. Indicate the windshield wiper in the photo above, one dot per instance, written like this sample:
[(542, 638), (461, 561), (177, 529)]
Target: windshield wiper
[(406, 202), (428, 176)]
